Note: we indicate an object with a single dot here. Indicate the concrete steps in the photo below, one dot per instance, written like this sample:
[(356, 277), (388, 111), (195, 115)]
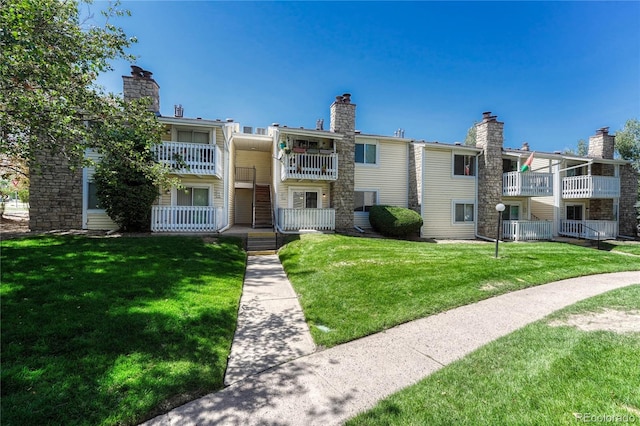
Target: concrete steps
[(261, 243)]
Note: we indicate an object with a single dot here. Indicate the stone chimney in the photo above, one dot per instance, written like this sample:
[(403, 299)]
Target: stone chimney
[(601, 144), (489, 137), (343, 120), (140, 84)]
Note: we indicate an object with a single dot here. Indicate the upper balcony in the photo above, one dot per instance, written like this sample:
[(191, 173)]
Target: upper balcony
[(529, 184), (589, 186), (190, 158), (310, 164)]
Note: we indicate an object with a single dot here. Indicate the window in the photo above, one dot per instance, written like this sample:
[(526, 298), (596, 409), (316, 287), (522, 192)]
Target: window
[(463, 212), (464, 165), (363, 200), (574, 212), (509, 165), (92, 197), (366, 153), (193, 136), (305, 199), (580, 171), (511, 212), (192, 197)]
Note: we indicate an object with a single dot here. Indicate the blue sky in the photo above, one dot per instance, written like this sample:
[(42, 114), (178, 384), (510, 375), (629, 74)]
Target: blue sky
[(553, 72)]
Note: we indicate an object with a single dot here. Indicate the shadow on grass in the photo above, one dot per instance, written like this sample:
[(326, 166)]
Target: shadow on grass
[(106, 331)]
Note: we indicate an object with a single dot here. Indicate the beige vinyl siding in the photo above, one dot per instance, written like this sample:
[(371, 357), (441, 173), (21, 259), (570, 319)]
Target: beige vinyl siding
[(389, 177), (95, 219), (440, 190), (258, 159), (99, 221), (542, 208)]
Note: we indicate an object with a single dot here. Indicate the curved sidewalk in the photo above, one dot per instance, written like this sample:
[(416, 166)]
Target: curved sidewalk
[(331, 386)]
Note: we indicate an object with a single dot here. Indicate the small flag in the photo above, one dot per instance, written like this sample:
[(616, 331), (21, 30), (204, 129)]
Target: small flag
[(527, 164)]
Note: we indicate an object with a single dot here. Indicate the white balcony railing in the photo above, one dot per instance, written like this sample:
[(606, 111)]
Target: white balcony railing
[(190, 158), (309, 166), (590, 229), (590, 186), (307, 219), (527, 230), (186, 219), (529, 184)]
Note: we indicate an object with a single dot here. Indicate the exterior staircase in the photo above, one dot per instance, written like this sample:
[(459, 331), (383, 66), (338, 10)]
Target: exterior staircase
[(262, 217), (261, 243)]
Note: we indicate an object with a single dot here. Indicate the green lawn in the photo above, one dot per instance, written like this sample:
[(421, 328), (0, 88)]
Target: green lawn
[(105, 331), (631, 247), (539, 375), (357, 286)]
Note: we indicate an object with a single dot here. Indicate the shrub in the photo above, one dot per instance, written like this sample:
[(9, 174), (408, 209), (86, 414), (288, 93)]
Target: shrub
[(394, 221)]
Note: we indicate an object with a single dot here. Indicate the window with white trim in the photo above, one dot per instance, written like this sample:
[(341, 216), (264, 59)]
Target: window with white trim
[(464, 165), (463, 212), (305, 198), (192, 196), (363, 200), (193, 136), (366, 153), (511, 212)]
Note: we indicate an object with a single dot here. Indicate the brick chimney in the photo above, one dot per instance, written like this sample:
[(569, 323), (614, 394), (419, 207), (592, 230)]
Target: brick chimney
[(140, 84), (489, 137), (601, 144), (343, 121)]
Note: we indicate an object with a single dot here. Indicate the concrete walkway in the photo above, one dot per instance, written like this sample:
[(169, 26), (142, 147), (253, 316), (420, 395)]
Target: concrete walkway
[(271, 329), (330, 386)]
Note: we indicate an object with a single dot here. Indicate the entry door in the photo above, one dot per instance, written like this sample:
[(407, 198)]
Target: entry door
[(574, 212), (304, 199), (511, 212)]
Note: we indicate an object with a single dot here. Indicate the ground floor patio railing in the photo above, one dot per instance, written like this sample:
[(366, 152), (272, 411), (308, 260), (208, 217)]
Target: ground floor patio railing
[(589, 229), (186, 219), (306, 219), (527, 230)]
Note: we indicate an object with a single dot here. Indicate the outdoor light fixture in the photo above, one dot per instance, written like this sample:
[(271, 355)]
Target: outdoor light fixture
[(499, 208)]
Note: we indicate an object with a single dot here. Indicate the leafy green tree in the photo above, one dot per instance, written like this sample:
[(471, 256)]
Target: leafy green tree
[(50, 62), (470, 139), (582, 149), (128, 176), (628, 142)]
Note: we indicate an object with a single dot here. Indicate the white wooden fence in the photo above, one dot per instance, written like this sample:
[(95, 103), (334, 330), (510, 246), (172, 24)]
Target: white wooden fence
[(186, 219), (309, 166), (190, 158), (527, 230), (302, 219), (589, 229), (591, 187), (527, 184)]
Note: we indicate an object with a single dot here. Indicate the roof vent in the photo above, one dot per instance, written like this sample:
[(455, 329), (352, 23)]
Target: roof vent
[(178, 111)]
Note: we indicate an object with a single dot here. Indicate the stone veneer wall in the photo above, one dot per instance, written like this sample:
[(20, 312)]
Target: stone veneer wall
[(601, 145), (601, 209), (55, 195), (489, 137), (136, 87), (343, 120), (415, 176), (627, 222)]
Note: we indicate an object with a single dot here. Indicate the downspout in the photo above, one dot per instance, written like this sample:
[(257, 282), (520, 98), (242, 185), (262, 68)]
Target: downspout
[(475, 225), (227, 179)]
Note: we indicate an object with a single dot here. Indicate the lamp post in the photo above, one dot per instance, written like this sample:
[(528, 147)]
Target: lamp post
[(499, 208)]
